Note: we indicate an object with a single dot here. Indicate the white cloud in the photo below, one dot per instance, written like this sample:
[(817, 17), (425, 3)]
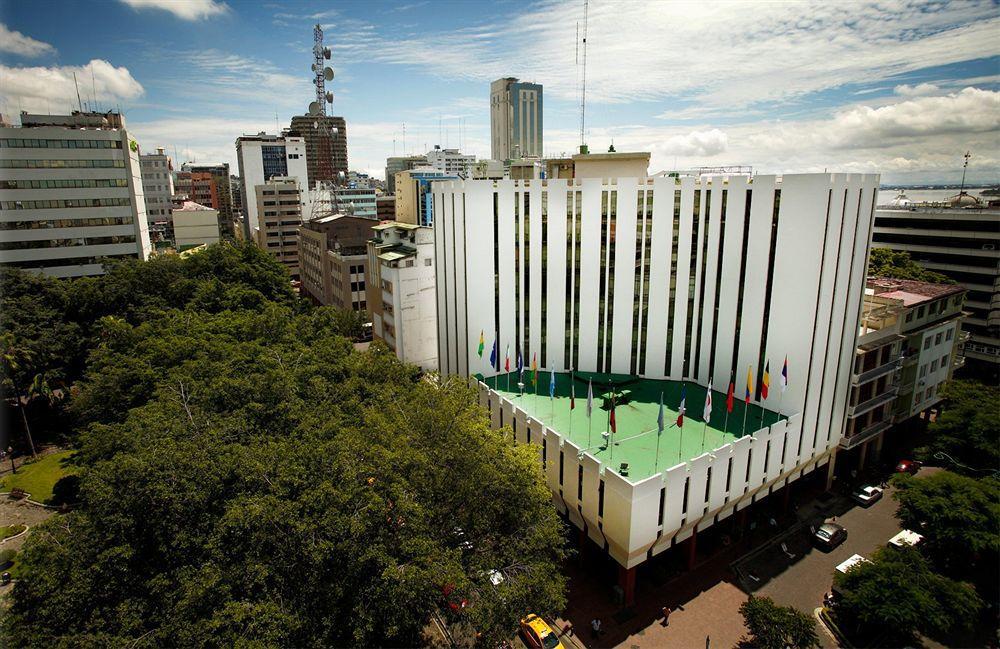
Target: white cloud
[(919, 90), (205, 139), (697, 143), (225, 75), (14, 42), (183, 9), (40, 89)]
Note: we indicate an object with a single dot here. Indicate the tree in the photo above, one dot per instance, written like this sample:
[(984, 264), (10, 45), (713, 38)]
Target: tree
[(14, 358), (964, 435), (895, 595), (897, 264), (958, 518), (777, 627)]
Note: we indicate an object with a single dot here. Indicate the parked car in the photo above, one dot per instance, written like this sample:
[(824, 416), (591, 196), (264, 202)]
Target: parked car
[(538, 634), (867, 495), (830, 535), (908, 466)]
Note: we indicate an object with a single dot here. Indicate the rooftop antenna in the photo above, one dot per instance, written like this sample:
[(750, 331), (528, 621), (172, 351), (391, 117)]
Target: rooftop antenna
[(583, 84), (79, 102), (321, 73), (404, 138), (964, 168), (93, 85)]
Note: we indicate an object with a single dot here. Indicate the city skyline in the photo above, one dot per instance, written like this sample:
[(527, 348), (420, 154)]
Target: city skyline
[(902, 90)]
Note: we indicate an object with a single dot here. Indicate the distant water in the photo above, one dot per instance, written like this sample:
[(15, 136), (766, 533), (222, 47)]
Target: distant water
[(920, 195)]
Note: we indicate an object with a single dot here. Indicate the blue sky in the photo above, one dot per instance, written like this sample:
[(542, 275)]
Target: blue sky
[(901, 88)]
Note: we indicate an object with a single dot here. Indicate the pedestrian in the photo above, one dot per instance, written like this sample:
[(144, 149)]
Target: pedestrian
[(595, 626), (666, 615)]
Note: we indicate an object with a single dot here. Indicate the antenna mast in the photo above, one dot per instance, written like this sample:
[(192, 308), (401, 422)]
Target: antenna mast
[(583, 85), (964, 168), (79, 102), (321, 74)]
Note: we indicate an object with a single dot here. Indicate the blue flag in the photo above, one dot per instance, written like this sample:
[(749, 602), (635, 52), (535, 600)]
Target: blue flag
[(493, 356), (659, 417), (520, 363), (552, 384)]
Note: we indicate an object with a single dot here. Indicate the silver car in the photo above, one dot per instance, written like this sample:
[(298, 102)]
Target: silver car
[(830, 535)]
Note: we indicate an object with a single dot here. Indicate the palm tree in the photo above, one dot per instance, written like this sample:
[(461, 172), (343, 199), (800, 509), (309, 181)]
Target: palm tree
[(13, 359)]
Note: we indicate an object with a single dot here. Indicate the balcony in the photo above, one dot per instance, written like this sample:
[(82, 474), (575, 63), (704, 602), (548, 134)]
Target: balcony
[(865, 406), (865, 434), (876, 372)]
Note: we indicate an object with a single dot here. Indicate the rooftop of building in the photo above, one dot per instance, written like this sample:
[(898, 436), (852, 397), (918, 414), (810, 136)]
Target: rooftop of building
[(390, 225), (636, 442), (911, 292), (191, 206), (110, 120)]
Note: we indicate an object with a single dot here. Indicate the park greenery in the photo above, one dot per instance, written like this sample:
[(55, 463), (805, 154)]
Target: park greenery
[(963, 437), (897, 264), (247, 478), (39, 478), (771, 626)]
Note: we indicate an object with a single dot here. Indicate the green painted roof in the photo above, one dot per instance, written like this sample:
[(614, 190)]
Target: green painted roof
[(636, 437)]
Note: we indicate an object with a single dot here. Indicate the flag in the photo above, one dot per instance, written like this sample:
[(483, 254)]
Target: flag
[(659, 417), (506, 362), (495, 356), (534, 368), (749, 384), (680, 410), (590, 398), (784, 375), (729, 397), (482, 343), (572, 392), (612, 417), (765, 380), (520, 364), (552, 384), (708, 403)]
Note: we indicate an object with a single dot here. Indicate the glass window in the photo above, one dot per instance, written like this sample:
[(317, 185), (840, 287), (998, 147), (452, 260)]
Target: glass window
[(932, 309), (934, 365), (920, 312), (923, 370), (944, 360), (937, 339), (949, 334), (909, 316), (927, 342)]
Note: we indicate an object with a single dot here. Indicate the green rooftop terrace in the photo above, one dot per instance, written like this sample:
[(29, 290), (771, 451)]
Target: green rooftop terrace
[(637, 405)]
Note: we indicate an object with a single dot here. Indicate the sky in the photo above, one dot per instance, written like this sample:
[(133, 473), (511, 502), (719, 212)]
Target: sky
[(903, 88)]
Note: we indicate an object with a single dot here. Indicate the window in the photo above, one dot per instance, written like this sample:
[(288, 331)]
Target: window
[(927, 342), (920, 312), (932, 309), (909, 316), (934, 365), (923, 370), (957, 300), (918, 397), (949, 334), (937, 339), (944, 361), (930, 392), (427, 262)]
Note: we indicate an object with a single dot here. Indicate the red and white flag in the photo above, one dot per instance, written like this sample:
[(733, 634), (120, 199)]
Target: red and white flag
[(708, 403)]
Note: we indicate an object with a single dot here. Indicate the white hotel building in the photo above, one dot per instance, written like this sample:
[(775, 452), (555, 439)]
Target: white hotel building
[(666, 278)]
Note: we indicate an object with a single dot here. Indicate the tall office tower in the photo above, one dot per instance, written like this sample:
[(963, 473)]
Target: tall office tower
[(158, 186), (278, 202), (515, 119), (402, 163), (650, 289), (326, 147), (262, 157), (211, 186), (451, 162), (70, 194), (962, 242)]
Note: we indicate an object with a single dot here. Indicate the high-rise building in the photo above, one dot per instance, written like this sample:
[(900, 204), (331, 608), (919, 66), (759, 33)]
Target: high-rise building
[(212, 189), (396, 164), (279, 206), (333, 259), (262, 157), (400, 283), (655, 289), (451, 162), (963, 243), (326, 147), (71, 194), (515, 119), (158, 185)]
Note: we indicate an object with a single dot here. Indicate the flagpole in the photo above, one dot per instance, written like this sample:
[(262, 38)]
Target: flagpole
[(611, 441), (746, 409), (780, 394), (572, 402)]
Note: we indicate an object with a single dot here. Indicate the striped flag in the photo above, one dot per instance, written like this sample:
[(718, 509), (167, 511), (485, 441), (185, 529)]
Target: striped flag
[(749, 384), (682, 408), (708, 403), (659, 417), (482, 343), (729, 396), (784, 375), (590, 398), (765, 380)]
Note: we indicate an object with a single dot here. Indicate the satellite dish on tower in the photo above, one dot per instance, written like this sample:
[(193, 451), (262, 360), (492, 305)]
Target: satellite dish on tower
[(326, 52), (314, 108), (328, 74), (329, 97)]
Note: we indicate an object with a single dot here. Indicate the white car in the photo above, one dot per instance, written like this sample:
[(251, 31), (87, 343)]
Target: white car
[(867, 495)]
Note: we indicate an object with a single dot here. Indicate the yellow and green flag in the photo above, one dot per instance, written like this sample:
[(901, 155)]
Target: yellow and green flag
[(534, 369), (482, 343)]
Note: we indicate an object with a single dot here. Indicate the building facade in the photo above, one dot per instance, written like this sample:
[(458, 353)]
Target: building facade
[(385, 208), (195, 225), (279, 206), (157, 185), (695, 280), (451, 162), (71, 194), (333, 255), (212, 188), (262, 157), (401, 163), (401, 295), (413, 195), (515, 119), (326, 147), (963, 244)]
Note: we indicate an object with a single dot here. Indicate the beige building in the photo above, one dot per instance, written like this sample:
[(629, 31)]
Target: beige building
[(333, 259), (194, 225), (279, 209), (599, 165)]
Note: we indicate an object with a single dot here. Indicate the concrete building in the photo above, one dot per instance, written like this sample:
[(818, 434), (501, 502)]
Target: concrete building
[(401, 295), (515, 119), (326, 147), (385, 208), (279, 206), (413, 195), (195, 225), (964, 244), (71, 194), (262, 157), (355, 201), (333, 256), (489, 170), (157, 185), (599, 165), (451, 162), (210, 185), (402, 163), (659, 286)]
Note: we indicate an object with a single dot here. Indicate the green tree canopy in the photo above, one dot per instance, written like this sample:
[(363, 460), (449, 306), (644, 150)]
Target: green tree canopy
[(885, 262), (777, 627), (248, 478), (895, 595), (967, 430)]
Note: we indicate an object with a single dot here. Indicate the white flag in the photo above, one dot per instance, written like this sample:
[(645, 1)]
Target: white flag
[(590, 398), (708, 403)]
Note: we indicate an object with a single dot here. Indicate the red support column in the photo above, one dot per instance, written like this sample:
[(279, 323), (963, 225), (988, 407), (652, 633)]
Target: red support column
[(626, 580), (692, 549)]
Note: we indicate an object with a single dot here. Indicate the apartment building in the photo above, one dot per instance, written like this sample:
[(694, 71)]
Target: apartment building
[(158, 185), (211, 186), (195, 225), (333, 256), (396, 164), (278, 205)]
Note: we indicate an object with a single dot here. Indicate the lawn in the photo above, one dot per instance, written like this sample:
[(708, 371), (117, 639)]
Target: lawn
[(7, 531), (38, 478)]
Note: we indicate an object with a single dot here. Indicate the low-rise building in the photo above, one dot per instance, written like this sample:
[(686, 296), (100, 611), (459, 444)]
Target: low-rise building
[(211, 186), (401, 292), (279, 207), (195, 225)]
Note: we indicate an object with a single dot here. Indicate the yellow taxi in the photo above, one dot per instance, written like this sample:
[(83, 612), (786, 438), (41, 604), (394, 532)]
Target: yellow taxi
[(539, 635)]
